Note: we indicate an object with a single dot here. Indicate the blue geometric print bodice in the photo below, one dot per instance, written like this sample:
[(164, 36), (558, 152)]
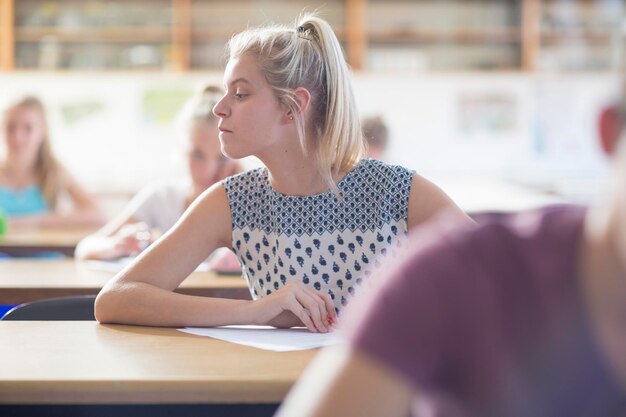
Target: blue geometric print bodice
[(328, 243)]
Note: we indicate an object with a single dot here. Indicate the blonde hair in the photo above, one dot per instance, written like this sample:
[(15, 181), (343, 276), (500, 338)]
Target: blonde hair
[(48, 171), (199, 108), (309, 55)]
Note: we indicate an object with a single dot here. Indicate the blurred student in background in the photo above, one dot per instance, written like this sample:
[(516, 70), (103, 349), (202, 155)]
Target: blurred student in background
[(32, 181), (524, 315), (376, 136), (157, 207)]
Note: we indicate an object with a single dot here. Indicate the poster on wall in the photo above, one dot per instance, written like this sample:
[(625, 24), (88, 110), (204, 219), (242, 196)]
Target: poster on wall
[(487, 115)]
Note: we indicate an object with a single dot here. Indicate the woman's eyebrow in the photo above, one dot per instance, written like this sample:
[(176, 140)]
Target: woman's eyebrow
[(240, 80)]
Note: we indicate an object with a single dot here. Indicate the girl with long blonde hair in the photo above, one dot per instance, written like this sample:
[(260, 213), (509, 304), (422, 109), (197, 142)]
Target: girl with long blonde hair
[(32, 180)]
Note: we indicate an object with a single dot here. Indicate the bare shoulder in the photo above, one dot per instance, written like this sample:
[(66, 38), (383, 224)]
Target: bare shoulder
[(427, 199), (214, 198), (211, 211)]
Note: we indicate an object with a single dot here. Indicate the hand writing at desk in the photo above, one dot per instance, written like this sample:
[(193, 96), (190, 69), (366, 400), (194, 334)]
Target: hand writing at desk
[(131, 240)]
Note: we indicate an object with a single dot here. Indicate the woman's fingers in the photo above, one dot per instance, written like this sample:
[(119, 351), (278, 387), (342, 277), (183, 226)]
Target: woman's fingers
[(329, 307), (302, 314), (130, 245), (315, 307)]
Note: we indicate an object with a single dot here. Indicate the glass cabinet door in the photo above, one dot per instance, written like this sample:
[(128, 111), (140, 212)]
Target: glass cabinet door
[(75, 34), (580, 35), (214, 22), (443, 35)]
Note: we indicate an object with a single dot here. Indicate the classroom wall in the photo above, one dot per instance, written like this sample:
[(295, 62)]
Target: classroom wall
[(117, 132)]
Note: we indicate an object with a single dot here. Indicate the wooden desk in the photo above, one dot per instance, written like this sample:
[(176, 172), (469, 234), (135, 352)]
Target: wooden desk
[(24, 280), (29, 241), (88, 363)]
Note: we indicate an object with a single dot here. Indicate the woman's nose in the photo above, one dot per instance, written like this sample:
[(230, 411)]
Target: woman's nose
[(220, 108)]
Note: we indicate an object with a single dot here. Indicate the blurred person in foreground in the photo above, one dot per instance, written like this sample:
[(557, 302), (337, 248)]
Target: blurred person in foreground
[(523, 315)]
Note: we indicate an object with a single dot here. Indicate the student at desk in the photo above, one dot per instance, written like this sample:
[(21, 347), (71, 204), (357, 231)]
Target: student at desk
[(32, 180), (159, 206), (306, 226), (521, 316)]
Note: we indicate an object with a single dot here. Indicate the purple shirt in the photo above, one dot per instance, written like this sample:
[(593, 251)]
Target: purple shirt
[(488, 321)]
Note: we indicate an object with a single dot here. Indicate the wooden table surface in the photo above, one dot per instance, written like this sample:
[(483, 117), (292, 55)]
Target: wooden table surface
[(36, 240), (24, 280), (88, 363)]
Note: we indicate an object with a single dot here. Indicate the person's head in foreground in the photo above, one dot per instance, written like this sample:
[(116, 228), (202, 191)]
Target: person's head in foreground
[(524, 315)]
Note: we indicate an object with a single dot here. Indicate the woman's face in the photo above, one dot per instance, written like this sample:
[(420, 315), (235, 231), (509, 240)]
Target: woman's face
[(204, 156), (24, 130), (252, 121)]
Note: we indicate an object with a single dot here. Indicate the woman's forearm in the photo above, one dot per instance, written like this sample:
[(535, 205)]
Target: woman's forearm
[(144, 304)]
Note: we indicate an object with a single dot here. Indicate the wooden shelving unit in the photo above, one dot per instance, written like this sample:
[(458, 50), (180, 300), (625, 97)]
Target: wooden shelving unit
[(108, 34), (185, 35), (7, 41)]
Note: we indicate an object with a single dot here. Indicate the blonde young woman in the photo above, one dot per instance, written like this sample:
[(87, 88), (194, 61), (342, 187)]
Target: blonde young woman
[(159, 206), (306, 227), (32, 181)]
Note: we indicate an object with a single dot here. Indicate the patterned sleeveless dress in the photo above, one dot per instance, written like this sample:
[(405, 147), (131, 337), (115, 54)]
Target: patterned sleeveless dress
[(327, 243)]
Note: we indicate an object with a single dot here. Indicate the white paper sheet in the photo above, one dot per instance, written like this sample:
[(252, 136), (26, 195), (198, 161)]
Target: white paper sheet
[(117, 265), (268, 338)]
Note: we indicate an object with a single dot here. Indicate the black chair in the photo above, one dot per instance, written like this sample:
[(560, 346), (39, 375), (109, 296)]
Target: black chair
[(78, 307)]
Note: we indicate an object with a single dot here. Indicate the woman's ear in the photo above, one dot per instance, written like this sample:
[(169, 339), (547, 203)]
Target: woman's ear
[(302, 97), (609, 129)]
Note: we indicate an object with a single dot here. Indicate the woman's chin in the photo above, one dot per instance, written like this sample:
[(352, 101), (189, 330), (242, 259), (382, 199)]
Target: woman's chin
[(234, 154)]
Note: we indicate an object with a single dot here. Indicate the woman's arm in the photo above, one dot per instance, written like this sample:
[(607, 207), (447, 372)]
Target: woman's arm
[(125, 234), (341, 381), (426, 199), (131, 238), (143, 293)]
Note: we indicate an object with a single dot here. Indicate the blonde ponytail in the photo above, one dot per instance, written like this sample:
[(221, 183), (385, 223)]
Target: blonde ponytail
[(309, 55)]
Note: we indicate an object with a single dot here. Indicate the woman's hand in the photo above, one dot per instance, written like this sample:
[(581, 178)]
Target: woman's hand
[(131, 240), (294, 305)]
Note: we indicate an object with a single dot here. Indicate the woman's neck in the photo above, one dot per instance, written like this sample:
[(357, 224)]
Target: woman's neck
[(292, 172), (18, 173)]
